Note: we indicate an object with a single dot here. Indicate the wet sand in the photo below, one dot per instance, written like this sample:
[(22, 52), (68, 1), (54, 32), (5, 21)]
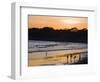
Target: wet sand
[(42, 59)]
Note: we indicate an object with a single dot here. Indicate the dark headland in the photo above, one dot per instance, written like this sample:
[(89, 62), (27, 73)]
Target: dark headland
[(62, 35)]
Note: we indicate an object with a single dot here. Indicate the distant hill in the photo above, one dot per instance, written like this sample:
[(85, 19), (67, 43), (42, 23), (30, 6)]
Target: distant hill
[(62, 35)]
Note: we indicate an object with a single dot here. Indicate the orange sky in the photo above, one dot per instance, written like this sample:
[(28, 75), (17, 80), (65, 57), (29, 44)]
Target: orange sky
[(57, 22)]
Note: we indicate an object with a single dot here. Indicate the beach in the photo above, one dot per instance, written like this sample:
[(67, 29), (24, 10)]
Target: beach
[(41, 53)]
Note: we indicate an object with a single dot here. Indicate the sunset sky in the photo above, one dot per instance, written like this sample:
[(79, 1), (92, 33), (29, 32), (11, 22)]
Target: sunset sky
[(57, 22)]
